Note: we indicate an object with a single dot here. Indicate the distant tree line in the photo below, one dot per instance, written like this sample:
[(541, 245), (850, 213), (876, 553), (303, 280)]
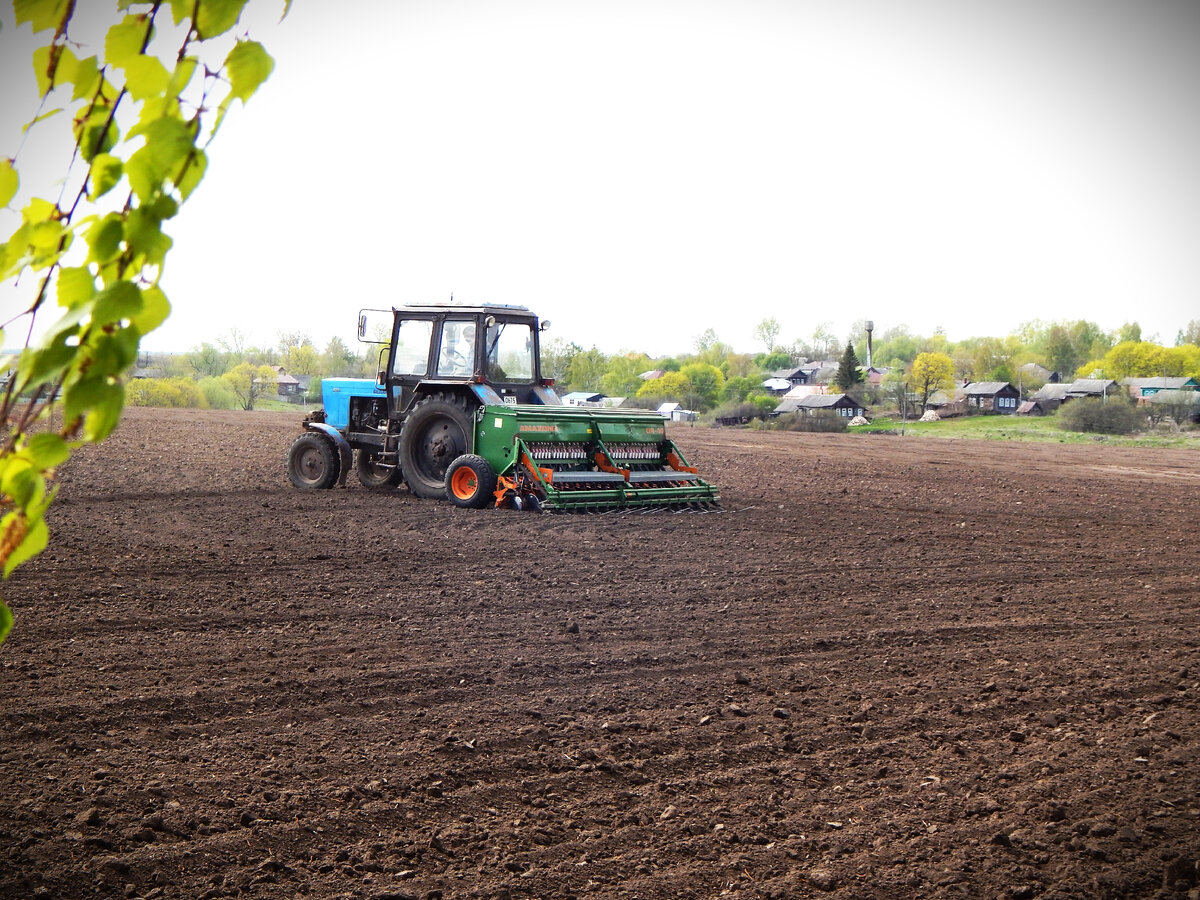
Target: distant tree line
[(714, 377)]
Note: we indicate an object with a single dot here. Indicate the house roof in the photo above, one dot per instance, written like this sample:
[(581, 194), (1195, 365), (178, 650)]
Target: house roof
[(586, 396), (652, 374), (1051, 392), (1163, 384), (1090, 386), (816, 401), (777, 384), (986, 388)]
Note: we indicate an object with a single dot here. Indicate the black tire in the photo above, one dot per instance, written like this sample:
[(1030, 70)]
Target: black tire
[(313, 463), (471, 482), (374, 475), (436, 433)]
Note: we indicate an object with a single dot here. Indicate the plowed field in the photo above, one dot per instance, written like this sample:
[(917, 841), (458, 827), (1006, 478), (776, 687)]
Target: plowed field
[(892, 667)]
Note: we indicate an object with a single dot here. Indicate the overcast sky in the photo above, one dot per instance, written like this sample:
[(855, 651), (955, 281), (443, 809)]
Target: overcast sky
[(638, 172)]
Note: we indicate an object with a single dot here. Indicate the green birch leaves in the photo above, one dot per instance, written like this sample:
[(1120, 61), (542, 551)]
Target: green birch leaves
[(142, 116)]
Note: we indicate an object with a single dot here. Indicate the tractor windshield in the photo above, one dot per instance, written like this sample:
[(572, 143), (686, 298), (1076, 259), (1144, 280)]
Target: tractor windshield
[(509, 351)]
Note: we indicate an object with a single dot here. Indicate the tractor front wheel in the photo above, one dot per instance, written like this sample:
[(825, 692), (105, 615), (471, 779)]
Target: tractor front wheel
[(471, 482), (313, 462), (375, 475), (436, 433)]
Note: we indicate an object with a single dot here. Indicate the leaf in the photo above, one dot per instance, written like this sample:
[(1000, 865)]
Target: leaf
[(41, 70), (181, 9), (6, 621), (155, 309), (193, 171), (87, 78), (249, 66), (42, 118), (143, 233), (22, 483), (124, 40), (97, 133), (37, 535), (182, 76), (75, 285), (48, 450), (168, 143), (9, 181), (218, 16), (121, 301), (41, 14), (104, 238), (106, 412), (145, 77), (107, 171)]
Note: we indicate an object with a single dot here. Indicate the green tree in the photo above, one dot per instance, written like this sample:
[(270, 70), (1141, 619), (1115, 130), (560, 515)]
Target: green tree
[(624, 375), (671, 386), (1190, 334), (585, 370), (704, 386), (96, 254), (556, 357), (769, 362), (207, 360), (250, 383), (337, 360), (931, 372), (849, 373), (767, 331), (300, 357)]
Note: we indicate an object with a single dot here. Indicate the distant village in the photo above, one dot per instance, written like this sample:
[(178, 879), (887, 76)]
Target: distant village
[(808, 389)]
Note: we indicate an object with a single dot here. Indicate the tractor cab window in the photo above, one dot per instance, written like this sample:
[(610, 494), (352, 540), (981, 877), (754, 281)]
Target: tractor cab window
[(457, 355), (509, 350), (412, 347)]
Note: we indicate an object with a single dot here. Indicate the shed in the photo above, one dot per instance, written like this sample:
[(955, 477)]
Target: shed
[(580, 398), (1037, 407), (676, 413)]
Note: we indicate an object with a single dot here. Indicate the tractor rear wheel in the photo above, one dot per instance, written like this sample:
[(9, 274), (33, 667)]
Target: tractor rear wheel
[(436, 433), (471, 482), (313, 462), (375, 475)]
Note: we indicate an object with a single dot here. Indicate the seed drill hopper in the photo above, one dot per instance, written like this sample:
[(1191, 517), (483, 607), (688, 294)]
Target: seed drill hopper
[(460, 411)]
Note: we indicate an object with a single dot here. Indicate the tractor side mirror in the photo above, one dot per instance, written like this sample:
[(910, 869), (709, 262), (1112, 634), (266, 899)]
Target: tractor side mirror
[(545, 324), (362, 325)]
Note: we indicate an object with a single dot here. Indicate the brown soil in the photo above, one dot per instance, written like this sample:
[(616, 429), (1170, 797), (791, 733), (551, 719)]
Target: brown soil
[(891, 667)]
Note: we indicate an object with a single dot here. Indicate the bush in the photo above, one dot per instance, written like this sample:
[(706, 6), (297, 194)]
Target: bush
[(218, 393), (176, 392), (1112, 416)]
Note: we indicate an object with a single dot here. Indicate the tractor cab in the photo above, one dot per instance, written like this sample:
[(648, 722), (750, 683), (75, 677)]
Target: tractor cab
[(449, 347)]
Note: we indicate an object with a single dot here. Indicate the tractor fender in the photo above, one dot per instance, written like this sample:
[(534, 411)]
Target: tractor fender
[(345, 453)]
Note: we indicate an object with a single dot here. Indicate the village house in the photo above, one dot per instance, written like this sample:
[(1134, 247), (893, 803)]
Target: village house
[(991, 396), (839, 404), (1144, 388), (1091, 387)]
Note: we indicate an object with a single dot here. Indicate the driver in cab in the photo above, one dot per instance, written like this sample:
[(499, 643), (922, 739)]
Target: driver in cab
[(458, 349)]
